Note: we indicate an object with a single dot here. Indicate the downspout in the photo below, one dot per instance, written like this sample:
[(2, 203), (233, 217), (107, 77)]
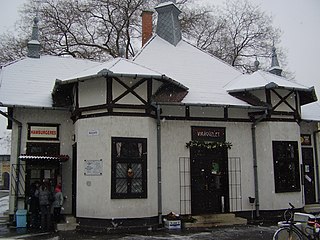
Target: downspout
[(159, 166), (316, 160), (18, 154), (255, 162)]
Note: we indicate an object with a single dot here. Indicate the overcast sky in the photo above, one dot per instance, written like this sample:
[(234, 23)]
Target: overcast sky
[(298, 19)]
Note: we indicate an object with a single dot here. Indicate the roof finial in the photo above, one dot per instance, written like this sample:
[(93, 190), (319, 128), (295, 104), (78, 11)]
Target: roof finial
[(34, 44), (275, 67)]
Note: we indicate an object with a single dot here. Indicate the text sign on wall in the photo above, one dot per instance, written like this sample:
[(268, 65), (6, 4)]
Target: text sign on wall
[(93, 167), (216, 134), (305, 139), (48, 132)]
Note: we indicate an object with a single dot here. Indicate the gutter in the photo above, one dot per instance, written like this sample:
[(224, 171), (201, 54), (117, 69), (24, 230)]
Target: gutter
[(255, 162), (18, 154), (159, 165), (107, 73)]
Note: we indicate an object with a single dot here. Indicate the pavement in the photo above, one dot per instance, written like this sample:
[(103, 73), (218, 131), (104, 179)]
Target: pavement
[(244, 232)]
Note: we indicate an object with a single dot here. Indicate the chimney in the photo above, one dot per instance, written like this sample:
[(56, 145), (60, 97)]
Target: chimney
[(275, 67), (168, 26), (146, 26), (34, 44)]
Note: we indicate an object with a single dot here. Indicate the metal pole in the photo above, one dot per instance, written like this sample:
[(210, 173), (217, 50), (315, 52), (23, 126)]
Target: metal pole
[(255, 162)]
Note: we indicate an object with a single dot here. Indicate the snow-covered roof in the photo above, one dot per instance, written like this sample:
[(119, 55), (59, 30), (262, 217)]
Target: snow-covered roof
[(203, 74), (311, 111), (260, 80), (117, 67), (29, 81)]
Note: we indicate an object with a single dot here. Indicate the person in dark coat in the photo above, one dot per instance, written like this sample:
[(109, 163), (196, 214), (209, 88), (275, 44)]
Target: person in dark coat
[(34, 208), (57, 203), (45, 207)]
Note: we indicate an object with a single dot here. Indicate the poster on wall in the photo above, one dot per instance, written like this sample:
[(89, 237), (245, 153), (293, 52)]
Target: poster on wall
[(305, 139), (93, 167)]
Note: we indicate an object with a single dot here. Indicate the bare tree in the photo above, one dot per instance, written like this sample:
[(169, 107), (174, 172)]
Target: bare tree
[(238, 33), (102, 29), (11, 48)]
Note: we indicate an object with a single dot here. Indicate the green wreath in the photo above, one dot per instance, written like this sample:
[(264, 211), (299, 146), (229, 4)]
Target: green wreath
[(208, 145)]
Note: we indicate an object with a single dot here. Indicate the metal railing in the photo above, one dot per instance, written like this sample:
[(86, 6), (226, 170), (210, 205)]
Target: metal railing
[(234, 177)]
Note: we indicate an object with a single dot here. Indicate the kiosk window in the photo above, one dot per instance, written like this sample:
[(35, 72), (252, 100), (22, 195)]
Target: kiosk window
[(129, 168), (286, 166)]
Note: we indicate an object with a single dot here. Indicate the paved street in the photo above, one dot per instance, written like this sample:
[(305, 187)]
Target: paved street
[(221, 233)]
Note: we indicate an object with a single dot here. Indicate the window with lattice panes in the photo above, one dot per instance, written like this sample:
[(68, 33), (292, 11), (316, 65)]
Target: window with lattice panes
[(129, 168), (286, 166)]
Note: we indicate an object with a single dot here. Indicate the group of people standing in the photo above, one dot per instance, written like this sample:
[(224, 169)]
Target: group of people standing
[(43, 203)]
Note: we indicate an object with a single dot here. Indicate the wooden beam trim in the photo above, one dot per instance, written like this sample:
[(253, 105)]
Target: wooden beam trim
[(283, 100), (130, 90)]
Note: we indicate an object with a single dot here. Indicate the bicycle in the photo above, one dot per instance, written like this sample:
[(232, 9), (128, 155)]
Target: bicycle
[(297, 230)]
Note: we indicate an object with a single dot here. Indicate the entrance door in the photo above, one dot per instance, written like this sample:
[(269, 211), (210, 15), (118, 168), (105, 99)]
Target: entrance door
[(308, 175), (209, 181), (37, 172)]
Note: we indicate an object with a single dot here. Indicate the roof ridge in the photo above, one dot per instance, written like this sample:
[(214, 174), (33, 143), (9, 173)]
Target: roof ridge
[(144, 46), (211, 55), (12, 62), (116, 60), (140, 65), (283, 78)]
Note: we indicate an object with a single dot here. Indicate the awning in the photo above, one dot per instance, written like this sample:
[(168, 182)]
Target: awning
[(60, 158)]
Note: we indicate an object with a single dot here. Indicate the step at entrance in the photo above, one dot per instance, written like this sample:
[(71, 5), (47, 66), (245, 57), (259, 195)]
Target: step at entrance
[(215, 220), (69, 224), (312, 208)]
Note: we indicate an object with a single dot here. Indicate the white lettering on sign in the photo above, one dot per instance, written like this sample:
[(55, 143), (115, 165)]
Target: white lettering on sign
[(43, 132), (208, 134), (93, 132)]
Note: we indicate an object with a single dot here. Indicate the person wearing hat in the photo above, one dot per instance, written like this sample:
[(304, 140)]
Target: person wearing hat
[(57, 203)]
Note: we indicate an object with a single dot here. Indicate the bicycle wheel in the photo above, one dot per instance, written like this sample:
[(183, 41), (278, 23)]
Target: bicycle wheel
[(285, 233)]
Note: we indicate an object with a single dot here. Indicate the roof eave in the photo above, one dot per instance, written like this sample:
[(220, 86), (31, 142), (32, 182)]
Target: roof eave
[(111, 74), (32, 107), (270, 87)]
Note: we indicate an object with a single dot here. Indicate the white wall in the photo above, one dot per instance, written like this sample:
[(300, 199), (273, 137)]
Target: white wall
[(266, 132), (94, 192), (26, 116), (98, 86), (175, 135)]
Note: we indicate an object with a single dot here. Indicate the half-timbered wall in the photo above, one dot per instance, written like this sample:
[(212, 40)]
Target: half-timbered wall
[(210, 112), (92, 92), (286, 104)]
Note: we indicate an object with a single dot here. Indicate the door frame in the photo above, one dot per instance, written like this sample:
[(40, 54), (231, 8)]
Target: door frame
[(313, 176), (211, 134)]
